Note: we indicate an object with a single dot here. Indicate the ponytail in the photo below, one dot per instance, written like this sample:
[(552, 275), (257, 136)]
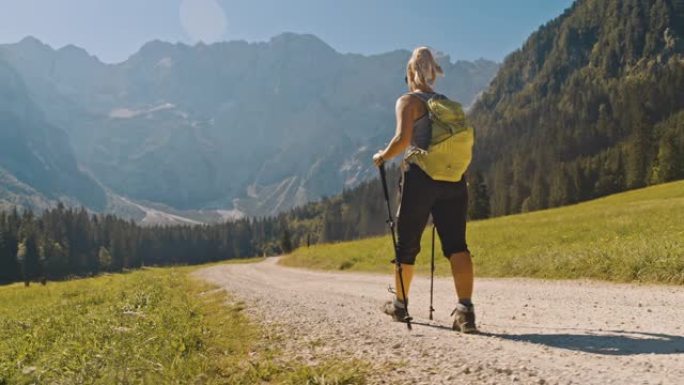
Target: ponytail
[(422, 69)]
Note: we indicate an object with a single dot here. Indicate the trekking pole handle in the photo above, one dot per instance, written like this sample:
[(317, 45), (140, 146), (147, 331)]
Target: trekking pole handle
[(383, 176)]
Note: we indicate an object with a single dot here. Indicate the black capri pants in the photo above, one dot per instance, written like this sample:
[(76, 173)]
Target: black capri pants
[(422, 196)]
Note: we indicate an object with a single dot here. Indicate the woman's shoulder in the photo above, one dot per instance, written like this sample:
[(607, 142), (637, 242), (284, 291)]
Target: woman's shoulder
[(408, 101), (411, 104)]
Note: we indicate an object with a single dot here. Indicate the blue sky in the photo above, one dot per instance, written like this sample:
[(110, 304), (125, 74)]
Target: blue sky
[(114, 29)]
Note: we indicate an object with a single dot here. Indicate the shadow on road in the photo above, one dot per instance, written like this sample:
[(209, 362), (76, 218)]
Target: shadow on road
[(620, 343), (607, 342)]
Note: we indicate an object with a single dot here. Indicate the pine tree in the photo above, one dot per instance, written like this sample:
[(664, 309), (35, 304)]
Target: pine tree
[(286, 241), (118, 252), (55, 259), (539, 194), (9, 267), (478, 197), (104, 259), (636, 161), (666, 166), (30, 258)]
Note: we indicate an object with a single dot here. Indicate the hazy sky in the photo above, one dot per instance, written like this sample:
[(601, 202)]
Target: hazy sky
[(114, 29)]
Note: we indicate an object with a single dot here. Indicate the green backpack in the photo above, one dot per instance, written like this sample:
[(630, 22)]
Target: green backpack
[(451, 141)]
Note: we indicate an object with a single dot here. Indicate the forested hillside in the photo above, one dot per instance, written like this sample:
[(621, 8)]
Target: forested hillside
[(361, 212), (592, 104)]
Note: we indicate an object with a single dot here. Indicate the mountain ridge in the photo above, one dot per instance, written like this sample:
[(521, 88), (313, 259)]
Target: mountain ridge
[(167, 124), (37, 164)]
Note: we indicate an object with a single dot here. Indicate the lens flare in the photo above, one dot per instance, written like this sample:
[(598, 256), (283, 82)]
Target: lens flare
[(203, 20)]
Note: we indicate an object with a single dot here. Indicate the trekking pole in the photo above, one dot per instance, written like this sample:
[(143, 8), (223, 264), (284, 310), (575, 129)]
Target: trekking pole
[(390, 222), (432, 270)]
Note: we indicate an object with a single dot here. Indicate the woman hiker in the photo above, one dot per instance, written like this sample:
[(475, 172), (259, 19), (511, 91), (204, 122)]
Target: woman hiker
[(422, 195)]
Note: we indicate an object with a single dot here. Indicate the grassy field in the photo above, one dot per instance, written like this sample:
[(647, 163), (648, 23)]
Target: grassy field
[(154, 326), (633, 236)]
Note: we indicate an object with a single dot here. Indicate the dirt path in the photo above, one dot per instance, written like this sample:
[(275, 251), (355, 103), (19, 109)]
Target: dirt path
[(534, 332)]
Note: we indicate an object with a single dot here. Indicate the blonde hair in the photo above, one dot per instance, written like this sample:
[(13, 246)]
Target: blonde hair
[(422, 69)]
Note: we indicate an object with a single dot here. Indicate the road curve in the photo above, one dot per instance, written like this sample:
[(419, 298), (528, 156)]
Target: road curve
[(533, 331)]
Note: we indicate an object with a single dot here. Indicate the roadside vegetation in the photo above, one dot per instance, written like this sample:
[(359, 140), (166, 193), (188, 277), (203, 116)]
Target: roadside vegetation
[(637, 236), (151, 326)]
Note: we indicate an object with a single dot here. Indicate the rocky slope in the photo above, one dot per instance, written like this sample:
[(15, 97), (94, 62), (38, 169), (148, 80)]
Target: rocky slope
[(37, 164)]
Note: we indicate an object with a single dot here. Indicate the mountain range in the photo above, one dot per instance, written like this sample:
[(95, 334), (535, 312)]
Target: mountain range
[(590, 105), (200, 133)]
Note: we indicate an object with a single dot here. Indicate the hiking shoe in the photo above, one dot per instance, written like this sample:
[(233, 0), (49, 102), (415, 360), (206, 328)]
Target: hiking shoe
[(393, 309), (465, 319)]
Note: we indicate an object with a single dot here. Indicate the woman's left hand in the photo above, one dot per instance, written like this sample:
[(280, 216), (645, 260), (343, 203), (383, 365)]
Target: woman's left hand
[(378, 159)]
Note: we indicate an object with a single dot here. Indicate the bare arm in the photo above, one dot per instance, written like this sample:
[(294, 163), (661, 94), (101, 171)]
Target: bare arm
[(407, 110)]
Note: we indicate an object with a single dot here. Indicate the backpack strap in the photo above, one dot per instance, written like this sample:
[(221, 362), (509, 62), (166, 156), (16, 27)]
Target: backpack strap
[(424, 96)]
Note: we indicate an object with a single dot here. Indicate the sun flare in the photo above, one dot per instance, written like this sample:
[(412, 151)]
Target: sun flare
[(203, 20)]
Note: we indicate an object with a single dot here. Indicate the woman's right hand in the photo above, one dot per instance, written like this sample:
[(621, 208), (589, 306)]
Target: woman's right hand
[(378, 158)]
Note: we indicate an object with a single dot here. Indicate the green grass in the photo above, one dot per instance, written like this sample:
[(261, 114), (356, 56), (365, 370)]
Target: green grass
[(153, 326), (637, 236)]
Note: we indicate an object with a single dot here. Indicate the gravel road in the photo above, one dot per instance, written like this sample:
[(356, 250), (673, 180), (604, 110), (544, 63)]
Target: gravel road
[(533, 331)]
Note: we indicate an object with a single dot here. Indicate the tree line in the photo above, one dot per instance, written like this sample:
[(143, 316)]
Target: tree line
[(361, 211), (72, 242), (65, 242)]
